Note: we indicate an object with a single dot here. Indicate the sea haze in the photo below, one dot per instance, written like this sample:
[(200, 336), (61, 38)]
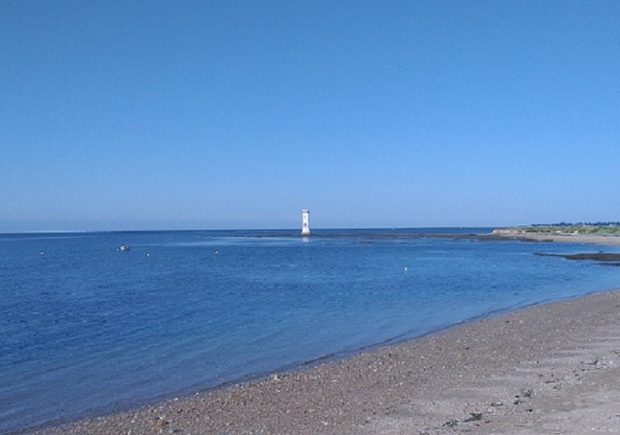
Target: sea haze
[(86, 328)]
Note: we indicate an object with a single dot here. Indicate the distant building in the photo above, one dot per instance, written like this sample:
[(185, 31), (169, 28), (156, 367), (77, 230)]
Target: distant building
[(305, 222)]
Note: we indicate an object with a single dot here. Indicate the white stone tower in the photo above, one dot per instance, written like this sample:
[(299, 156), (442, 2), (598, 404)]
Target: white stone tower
[(305, 222)]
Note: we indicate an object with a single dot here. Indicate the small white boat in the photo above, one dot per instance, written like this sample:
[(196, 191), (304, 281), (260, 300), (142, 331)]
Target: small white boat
[(124, 248)]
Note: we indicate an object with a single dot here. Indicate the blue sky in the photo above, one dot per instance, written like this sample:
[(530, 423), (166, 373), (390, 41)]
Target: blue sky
[(228, 114)]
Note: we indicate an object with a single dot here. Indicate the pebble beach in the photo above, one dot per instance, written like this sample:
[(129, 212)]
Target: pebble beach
[(552, 368)]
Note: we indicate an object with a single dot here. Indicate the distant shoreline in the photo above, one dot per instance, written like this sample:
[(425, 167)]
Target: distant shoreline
[(604, 240)]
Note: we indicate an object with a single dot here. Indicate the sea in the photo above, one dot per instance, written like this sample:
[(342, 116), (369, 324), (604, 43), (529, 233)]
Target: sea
[(86, 328)]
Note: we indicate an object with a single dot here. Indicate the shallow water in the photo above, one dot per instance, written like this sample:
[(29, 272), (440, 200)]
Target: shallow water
[(85, 328)]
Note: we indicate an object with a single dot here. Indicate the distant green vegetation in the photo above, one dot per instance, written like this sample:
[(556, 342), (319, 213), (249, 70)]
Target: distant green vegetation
[(599, 228)]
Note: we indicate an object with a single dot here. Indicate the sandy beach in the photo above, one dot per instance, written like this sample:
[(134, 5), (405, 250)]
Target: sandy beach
[(551, 368), (559, 238)]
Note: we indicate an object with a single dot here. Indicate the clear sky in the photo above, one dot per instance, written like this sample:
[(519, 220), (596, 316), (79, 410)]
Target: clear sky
[(229, 114)]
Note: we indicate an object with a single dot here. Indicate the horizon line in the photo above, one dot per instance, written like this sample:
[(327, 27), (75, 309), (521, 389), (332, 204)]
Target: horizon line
[(237, 229)]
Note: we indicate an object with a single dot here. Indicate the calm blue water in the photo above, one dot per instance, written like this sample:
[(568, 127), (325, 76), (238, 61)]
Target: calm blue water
[(85, 328)]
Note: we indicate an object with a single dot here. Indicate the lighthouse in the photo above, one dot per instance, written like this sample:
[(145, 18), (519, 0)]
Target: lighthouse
[(305, 222)]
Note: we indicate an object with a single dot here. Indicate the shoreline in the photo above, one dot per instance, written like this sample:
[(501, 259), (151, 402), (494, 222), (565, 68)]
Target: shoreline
[(423, 384), (557, 238)]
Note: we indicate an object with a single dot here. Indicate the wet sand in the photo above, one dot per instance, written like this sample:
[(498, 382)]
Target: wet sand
[(551, 368)]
